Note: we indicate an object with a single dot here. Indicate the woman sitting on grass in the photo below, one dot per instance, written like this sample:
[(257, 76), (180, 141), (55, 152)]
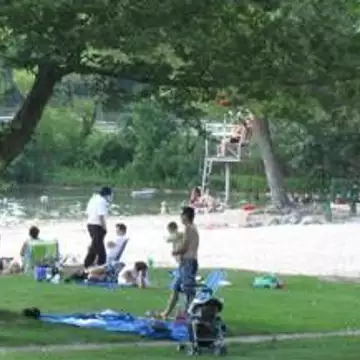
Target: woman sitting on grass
[(10, 266), (34, 233), (24, 264)]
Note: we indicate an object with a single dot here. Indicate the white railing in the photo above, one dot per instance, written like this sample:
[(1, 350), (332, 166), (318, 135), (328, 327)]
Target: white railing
[(219, 129)]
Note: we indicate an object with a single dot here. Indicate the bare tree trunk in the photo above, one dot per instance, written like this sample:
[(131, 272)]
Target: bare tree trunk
[(15, 135), (273, 172)]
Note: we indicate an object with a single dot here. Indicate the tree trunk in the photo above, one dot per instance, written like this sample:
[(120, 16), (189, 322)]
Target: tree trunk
[(15, 135), (88, 122), (273, 172)]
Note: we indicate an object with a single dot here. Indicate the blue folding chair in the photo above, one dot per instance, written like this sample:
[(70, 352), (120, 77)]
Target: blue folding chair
[(210, 285)]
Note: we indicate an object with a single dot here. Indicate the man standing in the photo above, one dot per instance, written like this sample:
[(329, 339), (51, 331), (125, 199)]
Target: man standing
[(97, 210), (188, 266)]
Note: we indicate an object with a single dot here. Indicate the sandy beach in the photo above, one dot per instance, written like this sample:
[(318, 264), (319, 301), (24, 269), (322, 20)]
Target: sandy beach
[(331, 249)]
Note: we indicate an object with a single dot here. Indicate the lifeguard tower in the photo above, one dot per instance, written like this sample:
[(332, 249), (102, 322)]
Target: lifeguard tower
[(221, 149)]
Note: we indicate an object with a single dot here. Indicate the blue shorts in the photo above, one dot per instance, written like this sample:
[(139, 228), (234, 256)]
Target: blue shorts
[(186, 277)]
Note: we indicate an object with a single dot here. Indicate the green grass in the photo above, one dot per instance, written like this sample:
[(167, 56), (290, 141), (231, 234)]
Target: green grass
[(305, 305), (327, 349)]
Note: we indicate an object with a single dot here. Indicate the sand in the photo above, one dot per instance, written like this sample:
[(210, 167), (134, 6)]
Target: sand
[(322, 250)]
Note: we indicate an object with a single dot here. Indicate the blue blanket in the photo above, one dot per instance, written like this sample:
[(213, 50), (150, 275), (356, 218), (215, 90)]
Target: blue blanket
[(103, 284), (123, 322)]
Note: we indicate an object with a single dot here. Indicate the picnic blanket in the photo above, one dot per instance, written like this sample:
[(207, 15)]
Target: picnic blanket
[(104, 284), (123, 323)]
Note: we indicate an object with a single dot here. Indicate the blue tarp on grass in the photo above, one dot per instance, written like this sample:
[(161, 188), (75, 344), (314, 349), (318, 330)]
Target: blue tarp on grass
[(123, 322)]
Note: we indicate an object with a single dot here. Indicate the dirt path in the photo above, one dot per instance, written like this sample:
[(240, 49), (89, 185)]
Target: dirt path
[(255, 339)]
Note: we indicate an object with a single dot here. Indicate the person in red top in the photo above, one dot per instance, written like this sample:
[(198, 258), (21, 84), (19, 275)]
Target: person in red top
[(195, 197)]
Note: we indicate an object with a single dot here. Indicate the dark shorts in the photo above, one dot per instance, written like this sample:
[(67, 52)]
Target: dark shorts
[(234, 140), (186, 277)]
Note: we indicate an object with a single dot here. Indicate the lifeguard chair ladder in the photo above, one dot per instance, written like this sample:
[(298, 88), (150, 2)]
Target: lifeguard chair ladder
[(218, 134)]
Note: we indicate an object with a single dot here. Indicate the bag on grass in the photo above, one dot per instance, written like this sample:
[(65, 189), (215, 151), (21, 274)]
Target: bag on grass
[(267, 282)]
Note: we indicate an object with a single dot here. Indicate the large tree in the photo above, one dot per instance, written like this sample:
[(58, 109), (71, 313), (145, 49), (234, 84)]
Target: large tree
[(264, 49), (118, 38)]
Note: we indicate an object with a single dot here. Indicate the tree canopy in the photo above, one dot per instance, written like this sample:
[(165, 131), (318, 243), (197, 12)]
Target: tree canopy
[(285, 60)]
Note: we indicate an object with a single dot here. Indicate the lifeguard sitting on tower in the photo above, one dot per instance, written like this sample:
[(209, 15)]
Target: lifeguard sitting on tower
[(240, 136), (227, 143)]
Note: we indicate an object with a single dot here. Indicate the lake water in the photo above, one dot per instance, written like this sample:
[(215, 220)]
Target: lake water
[(50, 203), (70, 203)]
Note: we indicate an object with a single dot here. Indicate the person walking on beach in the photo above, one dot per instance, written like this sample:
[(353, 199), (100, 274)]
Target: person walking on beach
[(188, 265), (97, 211)]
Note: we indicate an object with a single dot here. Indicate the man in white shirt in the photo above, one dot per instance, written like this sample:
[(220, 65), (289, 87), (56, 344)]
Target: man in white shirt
[(97, 211)]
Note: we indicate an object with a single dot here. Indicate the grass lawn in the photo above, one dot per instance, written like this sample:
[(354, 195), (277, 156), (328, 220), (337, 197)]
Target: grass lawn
[(306, 305), (329, 349)]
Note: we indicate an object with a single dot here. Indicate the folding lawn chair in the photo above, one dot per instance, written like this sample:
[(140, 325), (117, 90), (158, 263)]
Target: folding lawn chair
[(210, 285), (121, 250), (42, 253)]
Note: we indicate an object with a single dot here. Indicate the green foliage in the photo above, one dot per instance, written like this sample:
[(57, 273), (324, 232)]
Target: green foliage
[(165, 148), (55, 140), (296, 63), (153, 148)]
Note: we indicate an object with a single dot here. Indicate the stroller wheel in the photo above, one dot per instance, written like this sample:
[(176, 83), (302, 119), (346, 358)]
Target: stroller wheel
[(180, 347), (220, 350)]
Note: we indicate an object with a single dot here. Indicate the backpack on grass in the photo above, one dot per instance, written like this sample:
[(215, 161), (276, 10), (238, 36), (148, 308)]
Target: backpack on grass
[(267, 281)]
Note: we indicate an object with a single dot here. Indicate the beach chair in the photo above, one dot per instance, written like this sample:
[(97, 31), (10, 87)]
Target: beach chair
[(116, 267), (112, 272), (210, 285), (121, 250), (42, 253)]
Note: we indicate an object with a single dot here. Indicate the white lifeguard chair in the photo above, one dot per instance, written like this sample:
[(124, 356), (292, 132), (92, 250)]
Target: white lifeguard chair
[(219, 149)]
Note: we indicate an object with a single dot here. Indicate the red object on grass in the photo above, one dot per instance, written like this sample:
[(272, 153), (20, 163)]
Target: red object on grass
[(249, 207)]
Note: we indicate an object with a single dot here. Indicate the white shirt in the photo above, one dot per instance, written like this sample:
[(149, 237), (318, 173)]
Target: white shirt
[(134, 275), (96, 207), (112, 253)]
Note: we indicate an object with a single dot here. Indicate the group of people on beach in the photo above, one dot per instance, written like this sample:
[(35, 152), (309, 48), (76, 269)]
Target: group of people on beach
[(102, 256), (185, 247)]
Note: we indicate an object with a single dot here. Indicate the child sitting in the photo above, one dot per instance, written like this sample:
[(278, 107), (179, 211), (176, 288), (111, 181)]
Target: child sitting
[(175, 237), (138, 276)]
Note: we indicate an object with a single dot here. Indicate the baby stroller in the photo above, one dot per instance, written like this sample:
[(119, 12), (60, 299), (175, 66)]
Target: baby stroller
[(206, 328), (205, 325)]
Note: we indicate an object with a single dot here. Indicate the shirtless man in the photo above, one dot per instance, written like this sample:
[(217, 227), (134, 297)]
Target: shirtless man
[(188, 266)]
